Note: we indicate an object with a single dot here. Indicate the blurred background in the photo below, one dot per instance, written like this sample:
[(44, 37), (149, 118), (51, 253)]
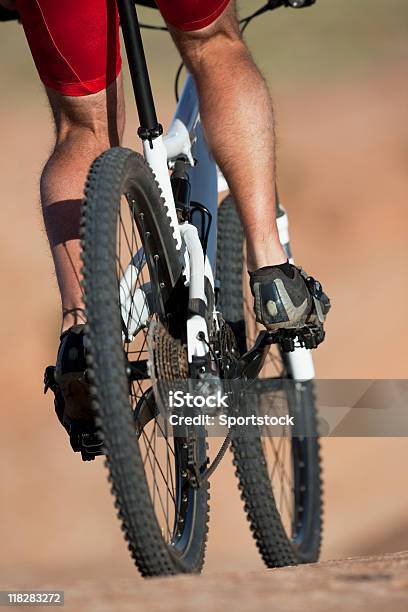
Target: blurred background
[(338, 74)]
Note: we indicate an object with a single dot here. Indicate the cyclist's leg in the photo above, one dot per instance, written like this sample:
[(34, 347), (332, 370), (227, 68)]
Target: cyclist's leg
[(85, 127), (75, 46), (236, 111)]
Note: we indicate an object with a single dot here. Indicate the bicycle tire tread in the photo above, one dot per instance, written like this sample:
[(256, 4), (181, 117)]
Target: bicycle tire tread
[(125, 468), (275, 548)]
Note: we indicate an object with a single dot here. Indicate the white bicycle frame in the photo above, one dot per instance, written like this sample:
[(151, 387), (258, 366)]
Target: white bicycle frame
[(185, 137)]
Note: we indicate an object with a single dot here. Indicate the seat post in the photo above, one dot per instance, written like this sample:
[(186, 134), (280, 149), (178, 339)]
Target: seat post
[(149, 126)]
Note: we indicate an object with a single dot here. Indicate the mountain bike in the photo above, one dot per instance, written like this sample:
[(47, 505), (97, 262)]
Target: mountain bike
[(165, 297)]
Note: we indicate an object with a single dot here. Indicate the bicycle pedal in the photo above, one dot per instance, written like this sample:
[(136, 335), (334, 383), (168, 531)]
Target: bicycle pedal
[(309, 337)]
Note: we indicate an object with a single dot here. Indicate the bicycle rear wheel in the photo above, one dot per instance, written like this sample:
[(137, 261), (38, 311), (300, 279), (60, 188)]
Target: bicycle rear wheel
[(280, 477), (132, 273)]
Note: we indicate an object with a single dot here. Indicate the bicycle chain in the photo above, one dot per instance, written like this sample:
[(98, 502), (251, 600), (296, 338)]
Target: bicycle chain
[(168, 363)]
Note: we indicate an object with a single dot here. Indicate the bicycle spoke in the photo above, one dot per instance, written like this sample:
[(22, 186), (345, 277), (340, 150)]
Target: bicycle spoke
[(156, 486)]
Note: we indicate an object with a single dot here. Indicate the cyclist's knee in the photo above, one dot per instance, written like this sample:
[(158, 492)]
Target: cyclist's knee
[(98, 118), (217, 40)]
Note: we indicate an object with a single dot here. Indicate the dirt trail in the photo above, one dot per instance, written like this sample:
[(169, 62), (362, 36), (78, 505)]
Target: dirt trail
[(362, 583)]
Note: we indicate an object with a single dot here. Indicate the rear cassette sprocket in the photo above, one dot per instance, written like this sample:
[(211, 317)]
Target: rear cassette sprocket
[(168, 364)]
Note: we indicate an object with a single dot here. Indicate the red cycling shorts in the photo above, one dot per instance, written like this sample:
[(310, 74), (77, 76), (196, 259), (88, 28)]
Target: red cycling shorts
[(75, 43)]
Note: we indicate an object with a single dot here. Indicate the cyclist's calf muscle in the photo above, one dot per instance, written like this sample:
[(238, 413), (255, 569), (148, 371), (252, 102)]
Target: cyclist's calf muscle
[(85, 127), (236, 112)]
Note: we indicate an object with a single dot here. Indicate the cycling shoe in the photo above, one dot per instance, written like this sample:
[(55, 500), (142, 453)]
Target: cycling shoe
[(290, 304), (72, 400)]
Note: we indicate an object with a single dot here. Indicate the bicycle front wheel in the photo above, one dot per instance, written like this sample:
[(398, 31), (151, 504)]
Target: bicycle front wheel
[(132, 273)]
